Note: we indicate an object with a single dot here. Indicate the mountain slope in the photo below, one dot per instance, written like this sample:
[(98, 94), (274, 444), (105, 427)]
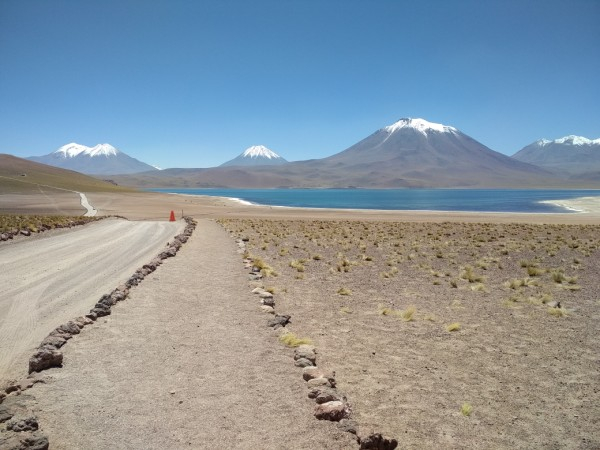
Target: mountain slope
[(408, 153), (102, 159), (22, 175), (572, 155), (257, 155)]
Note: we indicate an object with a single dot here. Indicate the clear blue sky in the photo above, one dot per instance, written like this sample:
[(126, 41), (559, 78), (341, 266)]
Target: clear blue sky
[(193, 83)]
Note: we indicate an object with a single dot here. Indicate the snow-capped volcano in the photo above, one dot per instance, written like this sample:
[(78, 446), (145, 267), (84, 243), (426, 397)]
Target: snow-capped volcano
[(257, 155), (571, 154), (420, 125), (416, 152), (101, 159)]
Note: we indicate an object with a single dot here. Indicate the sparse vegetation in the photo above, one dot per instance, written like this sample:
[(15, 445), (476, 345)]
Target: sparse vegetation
[(466, 409), (34, 223), (291, 340), (453, 327)]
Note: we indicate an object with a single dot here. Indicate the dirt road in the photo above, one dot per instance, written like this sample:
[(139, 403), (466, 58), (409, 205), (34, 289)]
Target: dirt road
[(187, 361), (49, 279)]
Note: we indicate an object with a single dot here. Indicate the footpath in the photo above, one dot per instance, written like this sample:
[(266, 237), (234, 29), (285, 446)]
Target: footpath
[(187, 361)]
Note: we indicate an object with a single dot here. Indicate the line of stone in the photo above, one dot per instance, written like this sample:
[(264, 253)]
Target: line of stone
[(331, 404), (48, 355)]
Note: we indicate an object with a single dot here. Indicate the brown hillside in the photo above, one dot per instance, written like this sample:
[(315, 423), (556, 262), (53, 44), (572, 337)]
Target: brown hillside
[(19, 175)]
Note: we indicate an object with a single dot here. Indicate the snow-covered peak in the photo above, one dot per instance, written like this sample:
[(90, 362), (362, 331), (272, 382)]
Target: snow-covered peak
[(570, 140), (420, 125), (577, 140), (73, 149), (102, 150), (260, 151)]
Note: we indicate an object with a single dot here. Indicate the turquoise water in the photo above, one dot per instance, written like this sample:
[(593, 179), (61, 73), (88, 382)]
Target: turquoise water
[(479, 200)]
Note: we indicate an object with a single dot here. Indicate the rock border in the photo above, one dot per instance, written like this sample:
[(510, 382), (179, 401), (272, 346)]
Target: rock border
[(22, 432), (331, 404)]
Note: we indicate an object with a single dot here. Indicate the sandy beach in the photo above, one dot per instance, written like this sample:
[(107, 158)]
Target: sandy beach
[(422, 316)]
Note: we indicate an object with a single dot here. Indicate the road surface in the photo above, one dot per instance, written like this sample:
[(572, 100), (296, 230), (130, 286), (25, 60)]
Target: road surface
[(50, 279)]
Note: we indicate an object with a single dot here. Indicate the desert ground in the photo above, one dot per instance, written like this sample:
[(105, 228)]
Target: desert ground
[(444, 329)]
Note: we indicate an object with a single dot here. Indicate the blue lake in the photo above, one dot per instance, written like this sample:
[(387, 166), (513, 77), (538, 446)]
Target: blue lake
[(478, 200)]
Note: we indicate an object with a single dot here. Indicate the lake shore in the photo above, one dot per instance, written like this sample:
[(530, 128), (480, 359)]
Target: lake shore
[(157, 206)]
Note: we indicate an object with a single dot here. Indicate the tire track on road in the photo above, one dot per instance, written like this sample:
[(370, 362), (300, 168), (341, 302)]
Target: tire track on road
[(51, 280)]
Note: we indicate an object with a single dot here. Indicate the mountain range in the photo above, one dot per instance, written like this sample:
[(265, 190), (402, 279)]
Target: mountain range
[(575, 156), (102, 159), (407, 153)]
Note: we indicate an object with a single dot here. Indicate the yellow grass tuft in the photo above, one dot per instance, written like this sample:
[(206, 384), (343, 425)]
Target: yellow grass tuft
[(453, 327), (344, 291), (466, 409), (291, 340), (408, 314), (557, 312)]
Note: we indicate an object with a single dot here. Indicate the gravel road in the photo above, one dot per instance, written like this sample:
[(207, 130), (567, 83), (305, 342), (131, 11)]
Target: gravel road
[(49, 279)]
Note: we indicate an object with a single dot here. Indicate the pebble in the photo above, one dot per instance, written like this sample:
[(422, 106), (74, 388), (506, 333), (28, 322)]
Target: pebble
[(303, 362), (267, 309), (334, 411), (376, 441)]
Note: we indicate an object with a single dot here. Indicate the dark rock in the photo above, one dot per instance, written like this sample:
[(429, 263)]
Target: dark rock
[(3, 237), (279, 320), (310, 372), (323, 392), (334, 411), (35, 441), (181, 238), (92, 315), (303, 362), (328, 395), (28, 424), (53, 341), (376, 441), (117, 296), (5, 414), (170, 252), (70, 327), (100, 312), (26, 232), (306, 352), (44, 358), (61, 333), (348, 425), (12, 388), (269, 301)]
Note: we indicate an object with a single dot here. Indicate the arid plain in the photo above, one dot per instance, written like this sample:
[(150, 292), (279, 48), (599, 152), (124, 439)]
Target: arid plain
[(453, 329)]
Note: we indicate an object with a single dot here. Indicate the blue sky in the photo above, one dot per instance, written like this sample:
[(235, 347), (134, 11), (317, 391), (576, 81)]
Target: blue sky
[(193, 83)]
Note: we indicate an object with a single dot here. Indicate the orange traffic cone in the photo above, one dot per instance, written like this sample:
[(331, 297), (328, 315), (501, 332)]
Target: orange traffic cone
[(172, 218)]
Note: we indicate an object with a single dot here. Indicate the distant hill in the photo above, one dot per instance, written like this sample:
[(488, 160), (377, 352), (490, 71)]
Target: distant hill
[(102, 159), (405, 154), (21, 175), (257, 155), (573, 156)]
